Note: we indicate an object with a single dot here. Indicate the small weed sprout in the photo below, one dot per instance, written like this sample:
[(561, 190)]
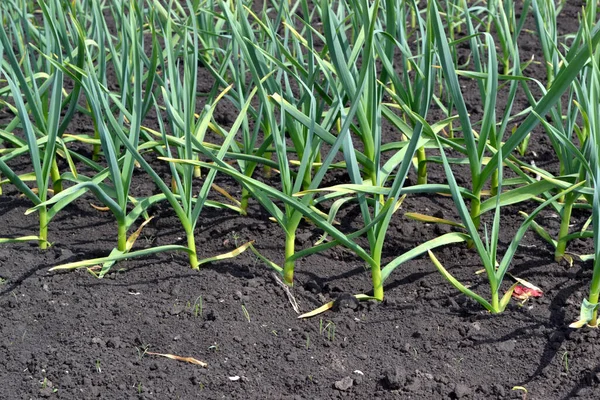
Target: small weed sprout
[(246, 313), (330, 328), (565, 359), (149, 239), (214, 347), (198, 307), (327, 327), (46, 383), (236, 238), (98, 368), (307, 341), (142, 350), (320, 326)]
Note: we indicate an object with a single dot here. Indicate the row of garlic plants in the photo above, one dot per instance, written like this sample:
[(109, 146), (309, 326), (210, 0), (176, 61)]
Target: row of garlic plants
[(314, 84)]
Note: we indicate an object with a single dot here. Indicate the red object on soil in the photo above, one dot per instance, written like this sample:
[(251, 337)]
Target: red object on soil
[(523, 293)]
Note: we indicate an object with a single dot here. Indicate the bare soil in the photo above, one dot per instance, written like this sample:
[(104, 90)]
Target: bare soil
[(72, 336)]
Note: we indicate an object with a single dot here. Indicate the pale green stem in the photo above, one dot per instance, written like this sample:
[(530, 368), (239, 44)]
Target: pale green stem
[(191, 241), (244, 201), (55, 176), (594, 293), (376, 276), (289, 264), (43, 242), (197, 172), (267, 169), (174, 186), (96, 149), (495, 302), (561, 245), (422, 166), (494, 184), (122, 236), (476, 209), (475, 217)]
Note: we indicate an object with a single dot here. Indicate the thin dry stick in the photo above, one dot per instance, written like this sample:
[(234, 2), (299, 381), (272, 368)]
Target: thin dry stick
[(190, 360), (288, 292)]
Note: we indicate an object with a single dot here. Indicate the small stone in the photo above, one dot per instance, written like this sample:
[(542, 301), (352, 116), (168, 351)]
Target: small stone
[(312, 286), (176, 290), (177, 309), (499, 390), (254, 283), (351, 325), (344, 384), (114, 342), (427, 346), (46, 392), (390, 302), (65, 254), (372, 304), (394, 378), (260, 227), (303, 238), (507, 346), (332, 289), (414, 385), (345, 301), (461, 390), (212, 315), (209, 299), (66, 381), (557, 337)]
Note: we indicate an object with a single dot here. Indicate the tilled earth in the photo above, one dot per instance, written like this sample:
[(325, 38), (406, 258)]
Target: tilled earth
[(72, 336)]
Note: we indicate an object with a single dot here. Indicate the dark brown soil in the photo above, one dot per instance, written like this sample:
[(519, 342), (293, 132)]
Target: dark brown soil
[(72, 336)]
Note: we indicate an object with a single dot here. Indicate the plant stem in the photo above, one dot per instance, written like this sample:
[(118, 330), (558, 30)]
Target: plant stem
[(561, 245), (244, 201), (96, 148), (422, 166), (494, 184), (55, 176), (376, 276), (174, 186), (476, 209), (191, 241), (594, 294), (289, 264), (43, 242), (122, 236), (495, 302)]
